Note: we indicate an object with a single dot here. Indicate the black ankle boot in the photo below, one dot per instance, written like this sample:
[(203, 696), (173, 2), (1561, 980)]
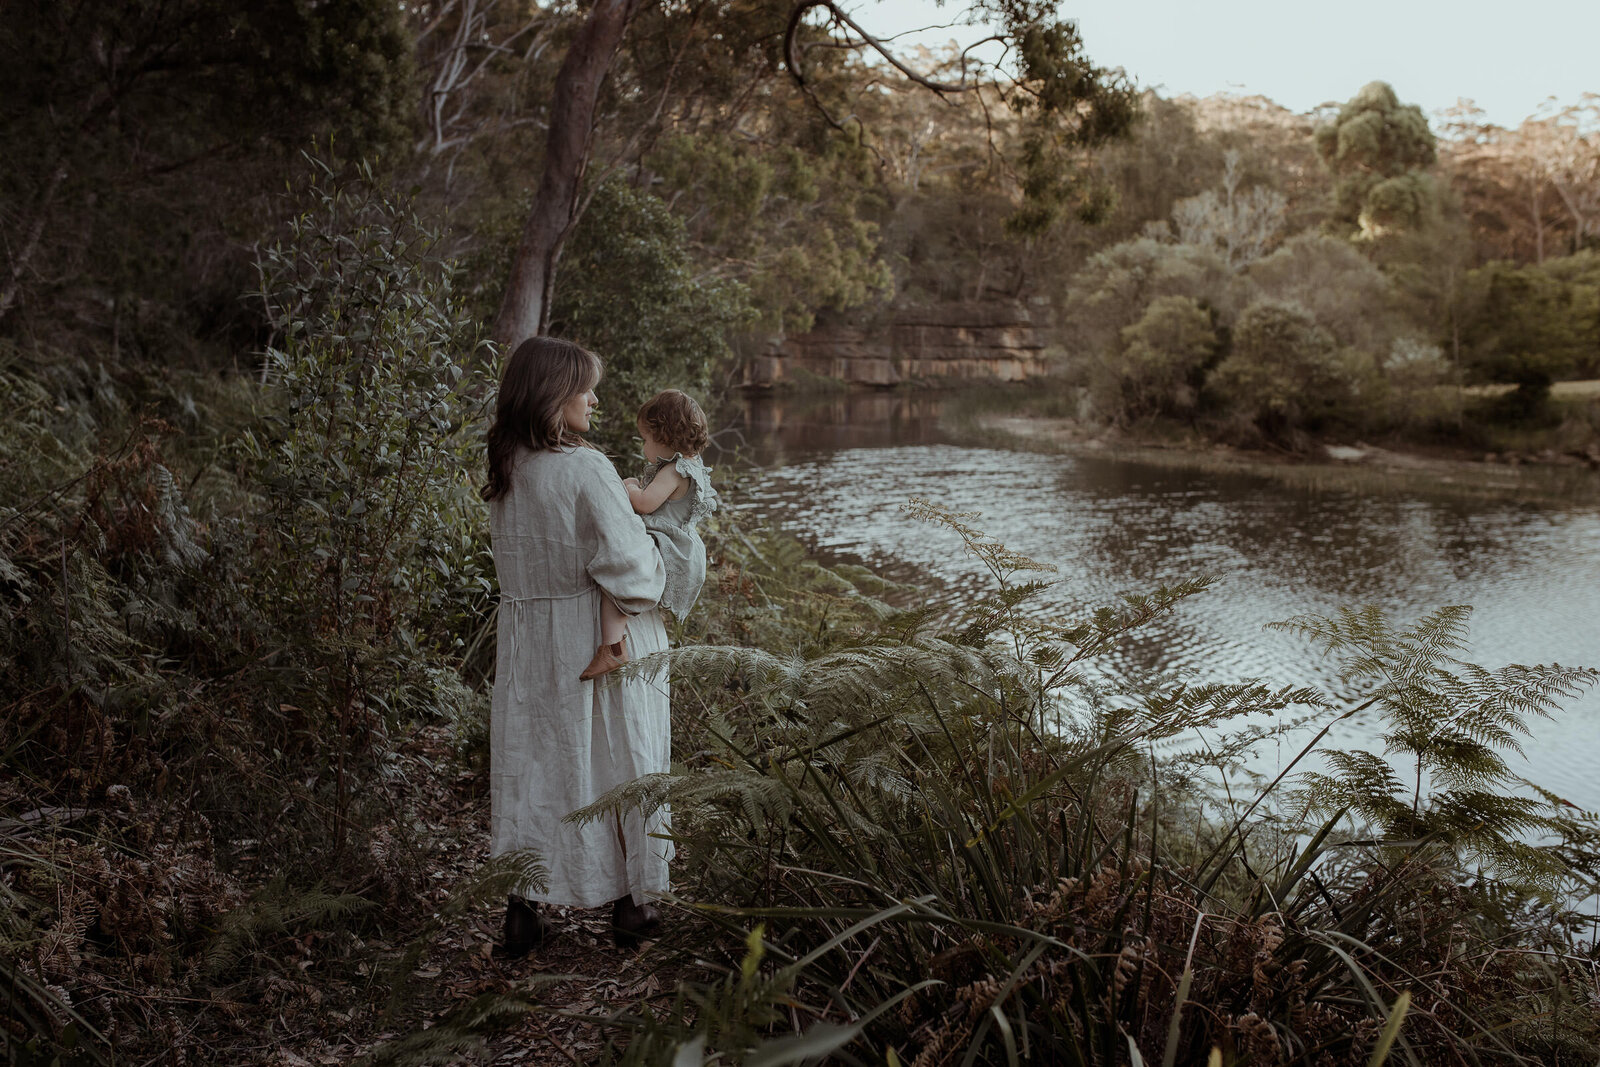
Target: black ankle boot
[(526, 929), (632, 923)]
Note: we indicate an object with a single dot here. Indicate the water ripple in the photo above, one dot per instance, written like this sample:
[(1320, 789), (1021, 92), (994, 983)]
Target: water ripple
[(1109, 526)]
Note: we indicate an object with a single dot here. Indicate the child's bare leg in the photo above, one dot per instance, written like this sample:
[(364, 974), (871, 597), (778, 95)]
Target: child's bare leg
[(613, 623), (612, 652)]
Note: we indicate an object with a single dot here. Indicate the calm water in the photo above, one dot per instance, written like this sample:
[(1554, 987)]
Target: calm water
[(836, 473)]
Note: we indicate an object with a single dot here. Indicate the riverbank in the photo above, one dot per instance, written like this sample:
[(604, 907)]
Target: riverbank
[(1556, 477)]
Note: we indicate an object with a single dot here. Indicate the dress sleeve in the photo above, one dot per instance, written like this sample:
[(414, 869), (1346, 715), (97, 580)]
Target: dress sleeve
[(706, 499), (623, 559)]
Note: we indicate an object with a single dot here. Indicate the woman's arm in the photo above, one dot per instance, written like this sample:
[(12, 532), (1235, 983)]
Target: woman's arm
[(623, 558), (645, 501)]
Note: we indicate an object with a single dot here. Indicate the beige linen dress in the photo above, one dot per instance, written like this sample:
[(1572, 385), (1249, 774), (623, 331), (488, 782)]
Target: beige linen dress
[(564, 532)]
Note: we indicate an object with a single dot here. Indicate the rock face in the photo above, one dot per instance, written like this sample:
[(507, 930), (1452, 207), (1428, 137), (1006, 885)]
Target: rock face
[(996, 341)]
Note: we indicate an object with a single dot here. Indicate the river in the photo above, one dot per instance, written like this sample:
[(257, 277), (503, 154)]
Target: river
[(835, 473)]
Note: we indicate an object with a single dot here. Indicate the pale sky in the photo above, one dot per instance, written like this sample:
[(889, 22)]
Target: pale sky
[(1507, 57)]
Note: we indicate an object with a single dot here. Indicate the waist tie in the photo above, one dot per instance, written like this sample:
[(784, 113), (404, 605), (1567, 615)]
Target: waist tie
[(516, 688)]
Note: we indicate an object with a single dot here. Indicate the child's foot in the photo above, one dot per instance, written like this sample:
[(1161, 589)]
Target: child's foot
[(607, 658)]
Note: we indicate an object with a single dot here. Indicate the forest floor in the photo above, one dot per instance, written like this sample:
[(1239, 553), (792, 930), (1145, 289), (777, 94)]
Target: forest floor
[(577, 979)]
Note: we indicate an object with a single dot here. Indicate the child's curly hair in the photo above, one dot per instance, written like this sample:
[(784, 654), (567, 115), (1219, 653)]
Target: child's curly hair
[(676, 421)]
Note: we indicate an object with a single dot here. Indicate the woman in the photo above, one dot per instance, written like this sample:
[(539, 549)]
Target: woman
[(563, 533)]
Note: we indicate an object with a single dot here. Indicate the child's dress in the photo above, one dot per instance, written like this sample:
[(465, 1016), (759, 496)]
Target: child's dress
[(674, 525)]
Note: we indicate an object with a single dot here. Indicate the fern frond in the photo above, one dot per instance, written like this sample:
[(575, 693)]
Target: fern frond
[(275, 909)]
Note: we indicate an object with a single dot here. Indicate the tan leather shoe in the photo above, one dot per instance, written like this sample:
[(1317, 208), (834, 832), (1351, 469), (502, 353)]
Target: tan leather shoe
[(607, 658)]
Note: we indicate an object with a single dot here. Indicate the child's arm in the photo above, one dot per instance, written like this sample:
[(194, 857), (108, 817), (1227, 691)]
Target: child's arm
[(645, 501)]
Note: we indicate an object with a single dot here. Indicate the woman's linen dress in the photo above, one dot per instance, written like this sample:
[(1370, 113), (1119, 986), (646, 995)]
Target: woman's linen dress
[(564, 532)]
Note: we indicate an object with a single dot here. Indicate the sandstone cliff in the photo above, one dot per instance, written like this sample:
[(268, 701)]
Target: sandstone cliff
[(996, 341)]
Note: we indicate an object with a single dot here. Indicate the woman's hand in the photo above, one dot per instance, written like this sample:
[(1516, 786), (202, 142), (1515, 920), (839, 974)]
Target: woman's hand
[(631, 483)]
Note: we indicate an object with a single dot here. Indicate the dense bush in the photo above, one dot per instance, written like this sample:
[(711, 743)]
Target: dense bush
[(1284, 373), (217, 645)]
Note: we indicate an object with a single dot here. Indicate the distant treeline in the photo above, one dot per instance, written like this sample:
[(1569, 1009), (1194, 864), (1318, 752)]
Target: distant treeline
[(150, 148)]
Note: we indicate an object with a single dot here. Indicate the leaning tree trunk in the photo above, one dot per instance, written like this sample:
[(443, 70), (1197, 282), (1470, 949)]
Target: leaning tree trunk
[(525, 309)]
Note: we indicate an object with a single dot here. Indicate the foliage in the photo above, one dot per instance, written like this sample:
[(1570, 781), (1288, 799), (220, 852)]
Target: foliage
[(785, 223), (1529, 326), (117, 197), (1164, 355), (966, 803), (217, 645), (1342, 289), (1451, 723), (370, 523), (1115, 287), (628, 290), (1283, 371), (1072, 106), (1380, 149)]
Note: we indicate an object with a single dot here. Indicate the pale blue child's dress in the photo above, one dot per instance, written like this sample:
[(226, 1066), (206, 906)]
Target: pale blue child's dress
[(675, 527)]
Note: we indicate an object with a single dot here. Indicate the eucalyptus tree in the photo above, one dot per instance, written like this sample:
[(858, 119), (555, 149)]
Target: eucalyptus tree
[(1380, 150), (1068, 104)]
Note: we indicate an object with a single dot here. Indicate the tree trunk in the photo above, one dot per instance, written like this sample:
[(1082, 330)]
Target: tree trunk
[(11, 289), (525, 309)]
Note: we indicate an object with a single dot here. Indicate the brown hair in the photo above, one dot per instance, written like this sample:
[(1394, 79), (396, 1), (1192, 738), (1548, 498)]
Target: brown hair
[(540, 377), (675, 420)]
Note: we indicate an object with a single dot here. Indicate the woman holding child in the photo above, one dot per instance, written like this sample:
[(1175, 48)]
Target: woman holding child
[(580, 583)]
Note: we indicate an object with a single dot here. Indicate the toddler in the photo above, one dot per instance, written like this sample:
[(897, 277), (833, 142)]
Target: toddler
[(673, 495)]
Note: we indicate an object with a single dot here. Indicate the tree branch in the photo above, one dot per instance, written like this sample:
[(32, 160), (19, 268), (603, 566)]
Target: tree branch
[(791, 53)]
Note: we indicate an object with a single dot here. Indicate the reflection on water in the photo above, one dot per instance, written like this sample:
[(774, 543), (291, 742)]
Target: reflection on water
[(838, 471)]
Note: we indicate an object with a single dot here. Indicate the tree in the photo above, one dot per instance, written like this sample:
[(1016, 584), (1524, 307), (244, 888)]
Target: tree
[(1163, 357), (1115, 287), (1380, 150), (525, 308), (1344, 292), (1072, 105), (1283, 373), (1239, 223), (1527, 326), (108, 185), (1570, 157), (627, 288)]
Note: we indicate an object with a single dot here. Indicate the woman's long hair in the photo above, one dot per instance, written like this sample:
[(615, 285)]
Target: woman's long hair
[(540, 377)]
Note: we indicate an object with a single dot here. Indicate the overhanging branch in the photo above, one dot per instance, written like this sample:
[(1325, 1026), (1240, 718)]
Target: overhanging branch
[(791, 50)]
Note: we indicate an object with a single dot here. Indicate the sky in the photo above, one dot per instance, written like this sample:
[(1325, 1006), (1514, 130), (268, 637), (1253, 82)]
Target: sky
[(1507, 57)]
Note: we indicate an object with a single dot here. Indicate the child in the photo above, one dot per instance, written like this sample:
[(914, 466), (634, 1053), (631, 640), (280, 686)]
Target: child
[(673, 496)]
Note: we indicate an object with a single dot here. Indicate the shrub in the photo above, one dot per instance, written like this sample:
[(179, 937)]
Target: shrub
[(1284, 373), (1163, 357), (370, 542)]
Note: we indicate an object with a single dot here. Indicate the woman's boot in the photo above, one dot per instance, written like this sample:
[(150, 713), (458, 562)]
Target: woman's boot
[(632, 923), (526, 929)]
